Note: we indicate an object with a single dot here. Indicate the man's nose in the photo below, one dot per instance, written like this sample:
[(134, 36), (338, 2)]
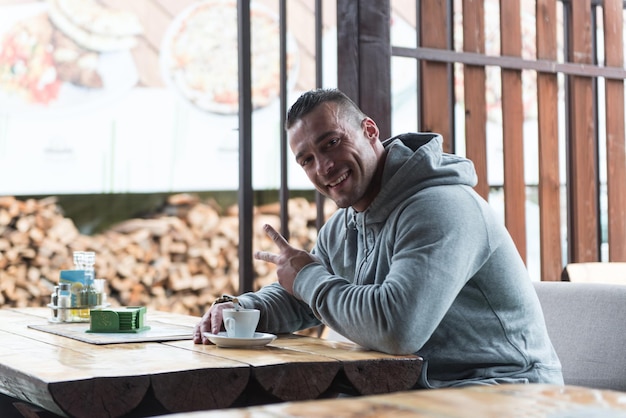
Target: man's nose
[(324, 165)]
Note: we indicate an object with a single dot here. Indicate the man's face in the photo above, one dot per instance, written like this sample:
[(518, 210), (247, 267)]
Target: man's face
[(339, 156)]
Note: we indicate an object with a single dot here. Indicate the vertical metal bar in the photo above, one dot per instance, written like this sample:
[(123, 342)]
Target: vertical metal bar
[(245, 195), (284, 184), (568, 126), (319, 198), (418, 64), (319, 50), (596, 122), (451, 97)]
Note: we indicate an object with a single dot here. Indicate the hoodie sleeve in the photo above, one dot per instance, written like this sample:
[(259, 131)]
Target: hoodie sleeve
[(280, 311), (420, 261)]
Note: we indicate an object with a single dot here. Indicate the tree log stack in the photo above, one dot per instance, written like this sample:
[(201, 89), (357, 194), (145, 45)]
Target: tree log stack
[(179, 259)]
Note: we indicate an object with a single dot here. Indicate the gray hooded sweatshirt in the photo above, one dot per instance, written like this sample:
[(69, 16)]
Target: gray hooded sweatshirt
[(429, 269)]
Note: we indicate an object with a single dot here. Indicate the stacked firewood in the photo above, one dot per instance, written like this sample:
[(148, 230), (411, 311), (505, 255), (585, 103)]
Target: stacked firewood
[(179, 259)]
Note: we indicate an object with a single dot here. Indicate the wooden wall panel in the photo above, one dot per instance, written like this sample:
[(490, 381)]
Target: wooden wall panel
[(615, 135), (583, 171), (512, 125), (551, 263), (474, 85), (580, 72)]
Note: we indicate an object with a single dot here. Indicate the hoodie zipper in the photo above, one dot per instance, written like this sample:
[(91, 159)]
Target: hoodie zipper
[(361, 249)]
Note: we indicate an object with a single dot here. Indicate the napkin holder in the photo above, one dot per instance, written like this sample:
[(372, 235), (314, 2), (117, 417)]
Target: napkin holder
[(130, 319)]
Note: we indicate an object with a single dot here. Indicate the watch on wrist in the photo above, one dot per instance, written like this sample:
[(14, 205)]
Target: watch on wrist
[(223, 298)]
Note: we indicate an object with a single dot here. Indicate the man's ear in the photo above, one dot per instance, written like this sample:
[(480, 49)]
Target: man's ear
[(370, 129)]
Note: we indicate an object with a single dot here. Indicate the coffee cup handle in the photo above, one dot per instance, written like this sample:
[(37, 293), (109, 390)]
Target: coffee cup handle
[(229, 324)]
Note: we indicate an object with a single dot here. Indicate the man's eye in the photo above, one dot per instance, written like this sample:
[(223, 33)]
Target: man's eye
[(305, 161)]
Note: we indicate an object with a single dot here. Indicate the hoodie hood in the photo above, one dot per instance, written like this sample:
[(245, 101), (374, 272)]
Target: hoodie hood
[(414, 162)]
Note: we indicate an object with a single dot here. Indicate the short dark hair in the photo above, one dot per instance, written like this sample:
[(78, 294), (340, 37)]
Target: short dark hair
[(313, 98)]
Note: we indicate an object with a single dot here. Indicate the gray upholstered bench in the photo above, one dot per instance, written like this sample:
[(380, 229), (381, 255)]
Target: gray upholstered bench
[(587, 325)]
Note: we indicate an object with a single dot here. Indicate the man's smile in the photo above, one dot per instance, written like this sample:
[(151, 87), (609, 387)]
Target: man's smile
[(339, 180)]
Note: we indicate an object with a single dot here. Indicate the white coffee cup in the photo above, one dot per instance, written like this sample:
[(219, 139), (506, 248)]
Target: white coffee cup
[(241, 323)]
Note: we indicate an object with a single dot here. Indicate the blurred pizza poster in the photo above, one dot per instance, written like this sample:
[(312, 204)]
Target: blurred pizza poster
[(118, 96)]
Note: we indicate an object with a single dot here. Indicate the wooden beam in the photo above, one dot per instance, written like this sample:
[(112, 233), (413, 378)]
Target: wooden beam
[(364, 57), (513, 126), (474, 88), (583, 169), (436, 90), (551, 260), (546, 66), (348, 48)]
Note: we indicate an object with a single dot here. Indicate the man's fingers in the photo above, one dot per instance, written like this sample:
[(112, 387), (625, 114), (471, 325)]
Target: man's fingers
[(216, 316), (276, 237), (197, 335), (210, 323), (216, 323), (201, 328), (265, 256)]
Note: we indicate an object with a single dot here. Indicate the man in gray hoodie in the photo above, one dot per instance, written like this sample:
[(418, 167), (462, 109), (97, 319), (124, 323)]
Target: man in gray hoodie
[(414, 260)]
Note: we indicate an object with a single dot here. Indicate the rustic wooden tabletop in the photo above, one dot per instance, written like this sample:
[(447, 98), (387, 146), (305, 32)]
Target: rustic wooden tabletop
[(70, 377), (534, 400)]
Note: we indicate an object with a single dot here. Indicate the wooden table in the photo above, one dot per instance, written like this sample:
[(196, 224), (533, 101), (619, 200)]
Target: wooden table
[(74, 378), (534, 400)]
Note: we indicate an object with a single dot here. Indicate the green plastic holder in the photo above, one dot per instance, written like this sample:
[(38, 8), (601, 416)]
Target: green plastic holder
[(130, 319)]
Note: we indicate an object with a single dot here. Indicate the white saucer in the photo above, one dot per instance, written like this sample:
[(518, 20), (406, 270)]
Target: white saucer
[(223, 340)]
